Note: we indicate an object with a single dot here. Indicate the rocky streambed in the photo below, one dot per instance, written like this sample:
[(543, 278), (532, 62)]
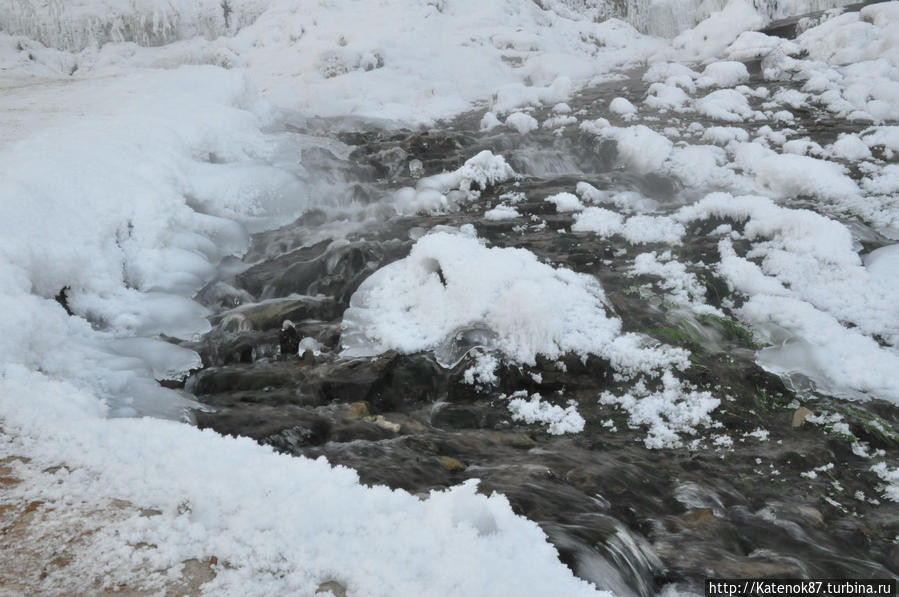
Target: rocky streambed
[(762, 491)]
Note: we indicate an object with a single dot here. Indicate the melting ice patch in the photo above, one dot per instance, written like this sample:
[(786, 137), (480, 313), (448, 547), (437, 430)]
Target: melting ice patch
[(452, 283)]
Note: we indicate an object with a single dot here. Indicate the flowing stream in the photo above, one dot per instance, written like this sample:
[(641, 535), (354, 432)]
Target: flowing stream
[(634, 520)]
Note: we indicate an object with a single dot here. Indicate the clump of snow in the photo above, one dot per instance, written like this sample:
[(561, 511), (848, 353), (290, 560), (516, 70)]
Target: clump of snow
[(522, 122), (789, 175), (565, 202), (710, 37), (724, 135), (490, 121), (752, 45), (483, 372), (587, 192), (622, 107), (639, 147), (452, 282), (448, 190), (502, 212), (684, 287), (637, 229), (850, 147), (559, 420), (666, 97), (891, 477), (668, 413), (599, 220), (725, 104), (727, 73), (808, 282)]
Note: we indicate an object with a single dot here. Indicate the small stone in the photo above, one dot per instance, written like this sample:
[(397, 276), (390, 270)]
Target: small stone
[(333, 587), (700, 518), (383, 423), (799, 416), (416, 169), (307, 358), (357, 410), (213, 561), (451, 464)]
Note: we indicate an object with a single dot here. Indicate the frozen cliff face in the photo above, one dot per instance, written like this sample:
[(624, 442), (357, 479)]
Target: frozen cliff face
[(77, 24), (668, 18)]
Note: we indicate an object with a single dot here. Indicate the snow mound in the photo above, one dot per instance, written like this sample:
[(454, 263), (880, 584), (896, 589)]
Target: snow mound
[(452, 286)]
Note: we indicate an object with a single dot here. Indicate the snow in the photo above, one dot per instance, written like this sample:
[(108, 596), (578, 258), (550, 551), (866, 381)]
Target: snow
[(622, 107), (502, 212), (483, 371), (521, 122), (276, 524), (565, 202), (446, 191), (711, 36), (666, 97), (810, 281), (408, 61), (636, 230), (136, 151), (517, 305), (726, 73), (668, 413), (725, 104), (559, 420), (639, 147)]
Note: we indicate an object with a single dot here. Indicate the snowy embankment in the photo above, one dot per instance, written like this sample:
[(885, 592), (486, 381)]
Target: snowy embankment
[(126, 183)]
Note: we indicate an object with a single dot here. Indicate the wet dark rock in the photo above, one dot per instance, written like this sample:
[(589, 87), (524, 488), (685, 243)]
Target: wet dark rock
[(289, 340), (289, 428), (454, 416), (236, 378)]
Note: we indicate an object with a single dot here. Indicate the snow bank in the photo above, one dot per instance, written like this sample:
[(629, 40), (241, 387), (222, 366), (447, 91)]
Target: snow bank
[(276, 524), (403, 60), (810, 284), (452, 285), (129, 209)]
